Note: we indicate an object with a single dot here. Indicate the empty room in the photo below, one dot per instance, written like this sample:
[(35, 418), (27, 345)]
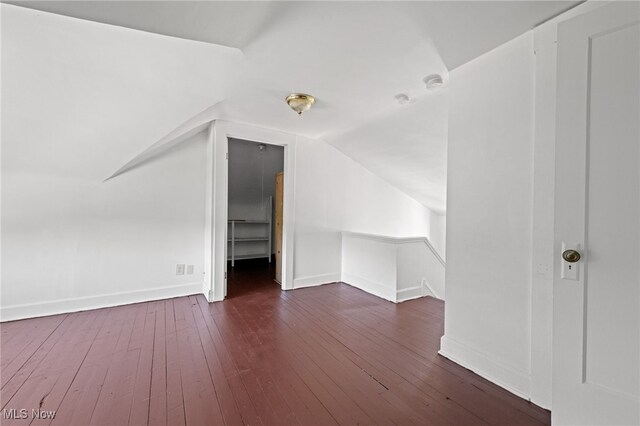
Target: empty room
[(320, 213)]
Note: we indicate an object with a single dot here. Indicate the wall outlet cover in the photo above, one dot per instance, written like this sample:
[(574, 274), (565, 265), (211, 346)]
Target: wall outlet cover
[(180, 269)]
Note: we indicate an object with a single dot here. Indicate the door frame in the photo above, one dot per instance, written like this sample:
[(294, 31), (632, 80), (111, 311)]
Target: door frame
[(217, 202)]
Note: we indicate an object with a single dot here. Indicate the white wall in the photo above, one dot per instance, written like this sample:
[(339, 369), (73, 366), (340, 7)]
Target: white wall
[(421, 272), (489, 202), (499, 311), (370, 264), (71, 242), (76, 106), (252, 178), (438, 236), (333, 194), (396, 269)]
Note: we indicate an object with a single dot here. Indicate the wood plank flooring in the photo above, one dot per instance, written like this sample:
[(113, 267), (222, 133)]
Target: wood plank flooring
[(317, 356)]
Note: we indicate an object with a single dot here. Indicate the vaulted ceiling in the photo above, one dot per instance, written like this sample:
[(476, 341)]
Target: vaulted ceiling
[(129, 79)]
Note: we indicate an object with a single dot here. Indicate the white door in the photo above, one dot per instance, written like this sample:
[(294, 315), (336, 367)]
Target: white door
[(596, 324)]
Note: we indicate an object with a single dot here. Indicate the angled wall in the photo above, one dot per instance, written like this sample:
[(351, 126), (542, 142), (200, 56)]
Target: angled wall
[(76, 105), (334, 194), (71, 243)]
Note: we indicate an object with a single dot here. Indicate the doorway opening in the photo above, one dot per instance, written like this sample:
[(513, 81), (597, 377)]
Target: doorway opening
[(254, 216)]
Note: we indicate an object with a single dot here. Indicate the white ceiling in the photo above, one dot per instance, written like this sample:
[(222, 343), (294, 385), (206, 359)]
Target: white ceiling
[(353, 56)]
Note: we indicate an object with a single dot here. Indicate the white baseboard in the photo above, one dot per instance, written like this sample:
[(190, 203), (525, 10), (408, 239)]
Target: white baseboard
[(432, 293), (409, 294), (63, 306), (315, 280), (377, 289), (208, 292), (516, 382)]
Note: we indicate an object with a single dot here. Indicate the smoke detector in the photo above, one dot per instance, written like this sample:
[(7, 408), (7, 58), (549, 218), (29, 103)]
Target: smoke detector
[(404, 99), (433, 81)]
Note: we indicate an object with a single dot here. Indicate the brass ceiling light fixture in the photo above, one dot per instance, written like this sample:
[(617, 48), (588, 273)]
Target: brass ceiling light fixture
[(300, 102)]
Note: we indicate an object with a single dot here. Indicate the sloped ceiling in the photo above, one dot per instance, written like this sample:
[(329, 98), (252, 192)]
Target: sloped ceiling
[(108, 96)]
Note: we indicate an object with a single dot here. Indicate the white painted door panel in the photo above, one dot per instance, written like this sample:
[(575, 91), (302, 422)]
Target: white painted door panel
[(596, 371)]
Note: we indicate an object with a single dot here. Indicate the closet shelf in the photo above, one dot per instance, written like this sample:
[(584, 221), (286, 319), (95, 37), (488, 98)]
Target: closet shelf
[(249, 256), (240, 221), (251, 233)]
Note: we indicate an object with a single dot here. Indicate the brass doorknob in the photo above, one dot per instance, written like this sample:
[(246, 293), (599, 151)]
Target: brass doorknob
[(571, 256)]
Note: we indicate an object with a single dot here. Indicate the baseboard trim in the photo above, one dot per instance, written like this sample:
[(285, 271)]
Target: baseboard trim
[(64, 306), (409, 294), (516, 382), (377, 289), (315, 280)]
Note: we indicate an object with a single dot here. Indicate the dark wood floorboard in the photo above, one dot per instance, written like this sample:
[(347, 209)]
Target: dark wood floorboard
[(328, 355)]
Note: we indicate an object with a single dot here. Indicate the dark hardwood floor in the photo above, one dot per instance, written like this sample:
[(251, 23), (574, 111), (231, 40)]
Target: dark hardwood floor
[(317, 356)]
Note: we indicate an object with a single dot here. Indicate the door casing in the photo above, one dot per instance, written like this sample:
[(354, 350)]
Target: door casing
[(216, 213)]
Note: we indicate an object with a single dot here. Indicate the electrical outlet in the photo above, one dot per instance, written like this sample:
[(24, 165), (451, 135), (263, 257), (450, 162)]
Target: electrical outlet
[(180, 269), (189, 269)]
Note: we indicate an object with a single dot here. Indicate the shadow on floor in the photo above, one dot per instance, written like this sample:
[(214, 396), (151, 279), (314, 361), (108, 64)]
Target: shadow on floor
[(250, 276)]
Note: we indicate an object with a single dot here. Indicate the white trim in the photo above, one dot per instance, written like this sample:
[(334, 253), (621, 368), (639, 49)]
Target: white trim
[(434, 251), (207, 287), (63, 306), (383, 238), (409, 294), (217, 198), (396, 240), (515, 381), (316, 280), (377, 289), (430, 290), (217, 262)]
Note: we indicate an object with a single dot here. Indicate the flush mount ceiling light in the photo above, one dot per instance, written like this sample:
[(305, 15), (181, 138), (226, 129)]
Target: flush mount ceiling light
[(300, 102), (433, 81)]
